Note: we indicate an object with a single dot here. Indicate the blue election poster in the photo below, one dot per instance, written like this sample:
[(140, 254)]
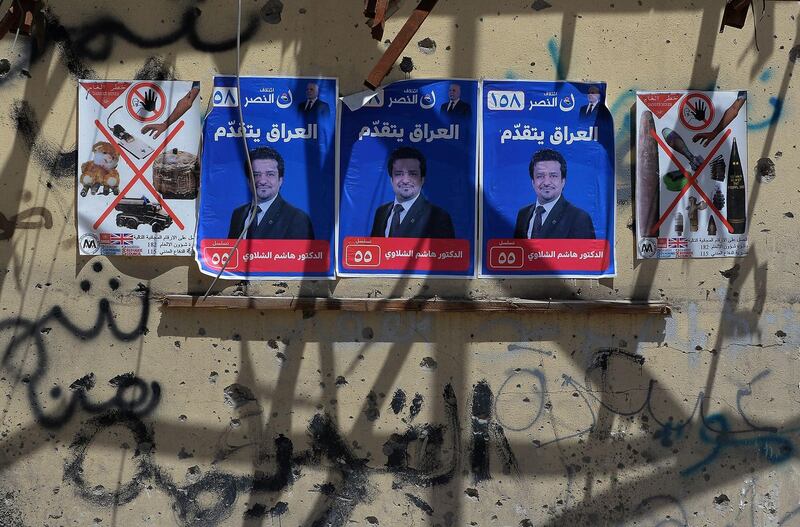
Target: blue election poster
[(548, 202), (286, 228), (408, 181)]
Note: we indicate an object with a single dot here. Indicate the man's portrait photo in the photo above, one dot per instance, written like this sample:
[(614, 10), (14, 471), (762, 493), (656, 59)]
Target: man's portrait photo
[(551, 215), (410, 215), (594, 110), (275, 218), (313, 106), (454, 105)]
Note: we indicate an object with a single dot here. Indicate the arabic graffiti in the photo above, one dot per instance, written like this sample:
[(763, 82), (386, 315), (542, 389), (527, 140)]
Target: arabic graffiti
[(133, 395), (717, 432), (95, 39), (423, 455)]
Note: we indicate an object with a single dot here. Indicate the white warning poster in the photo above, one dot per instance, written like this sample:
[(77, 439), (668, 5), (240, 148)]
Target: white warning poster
[(137, 178), (691, 174)]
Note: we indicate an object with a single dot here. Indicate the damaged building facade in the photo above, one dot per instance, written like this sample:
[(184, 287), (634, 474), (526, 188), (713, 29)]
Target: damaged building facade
[(659, 396)]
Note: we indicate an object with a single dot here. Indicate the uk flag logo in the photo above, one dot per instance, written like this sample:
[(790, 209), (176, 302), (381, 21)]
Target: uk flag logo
[(677, 243), (116, 239)]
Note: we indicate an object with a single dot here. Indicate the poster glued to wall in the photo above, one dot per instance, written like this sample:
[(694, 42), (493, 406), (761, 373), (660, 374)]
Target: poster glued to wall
[(138, 173), (287, 228), (548, 201), (691, 174), (408, 188)]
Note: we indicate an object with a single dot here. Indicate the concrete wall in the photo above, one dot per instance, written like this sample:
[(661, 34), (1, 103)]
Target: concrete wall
[(120, 412)]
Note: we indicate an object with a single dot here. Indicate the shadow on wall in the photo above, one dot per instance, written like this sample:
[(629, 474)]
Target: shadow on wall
[(425, 457), (449, 435)]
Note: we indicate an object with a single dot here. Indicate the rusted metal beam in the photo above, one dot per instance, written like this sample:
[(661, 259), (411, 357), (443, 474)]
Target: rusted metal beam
[(20, 15), (369, 8), (399, 43), (379, 19), (511, 305), (735, 14)]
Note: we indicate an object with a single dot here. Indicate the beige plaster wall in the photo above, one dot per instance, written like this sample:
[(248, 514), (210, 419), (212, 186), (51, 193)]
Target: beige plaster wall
[(118, 411)]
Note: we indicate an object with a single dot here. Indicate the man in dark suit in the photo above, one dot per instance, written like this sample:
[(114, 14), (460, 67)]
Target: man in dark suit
[(275, 218), (410, 215), (594, 111), (551, 216), (313, 107), (455, 106)]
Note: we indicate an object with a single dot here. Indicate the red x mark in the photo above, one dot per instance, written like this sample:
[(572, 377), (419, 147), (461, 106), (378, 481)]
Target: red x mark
[(691, 181), (138, 174)]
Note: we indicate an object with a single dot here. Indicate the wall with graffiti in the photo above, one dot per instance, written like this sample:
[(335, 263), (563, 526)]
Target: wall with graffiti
[(120, 411)]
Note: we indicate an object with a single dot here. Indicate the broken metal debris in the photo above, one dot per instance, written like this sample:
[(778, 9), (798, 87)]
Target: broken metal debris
[(376, 11), (26, 18), (735, 15)]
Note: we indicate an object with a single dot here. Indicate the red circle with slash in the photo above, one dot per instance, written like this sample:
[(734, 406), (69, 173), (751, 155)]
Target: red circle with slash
[(161, 101), (691, 101)]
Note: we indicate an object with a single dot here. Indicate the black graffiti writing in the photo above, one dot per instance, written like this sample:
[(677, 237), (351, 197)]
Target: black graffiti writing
[(133, 395), (95, 40)]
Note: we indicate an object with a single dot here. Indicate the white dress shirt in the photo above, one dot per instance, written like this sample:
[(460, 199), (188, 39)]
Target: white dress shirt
[(264, 206), (547, 208), (406, 207)]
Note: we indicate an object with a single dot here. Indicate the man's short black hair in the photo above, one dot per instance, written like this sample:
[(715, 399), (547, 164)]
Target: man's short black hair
[(548, 154), (265, 152), (406, 152), (593, 89)]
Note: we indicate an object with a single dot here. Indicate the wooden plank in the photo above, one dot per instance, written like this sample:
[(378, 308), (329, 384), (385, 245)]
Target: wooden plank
[(512, 305), (399, 43)]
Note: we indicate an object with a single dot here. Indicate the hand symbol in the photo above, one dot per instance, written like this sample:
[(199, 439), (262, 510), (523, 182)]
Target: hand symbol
[(149, 102), (699, 111)]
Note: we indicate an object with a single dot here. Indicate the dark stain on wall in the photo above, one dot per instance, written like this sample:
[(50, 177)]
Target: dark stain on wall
[(420, 504), (58, 164), (398, 401), (372, 412), (155, 69)]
